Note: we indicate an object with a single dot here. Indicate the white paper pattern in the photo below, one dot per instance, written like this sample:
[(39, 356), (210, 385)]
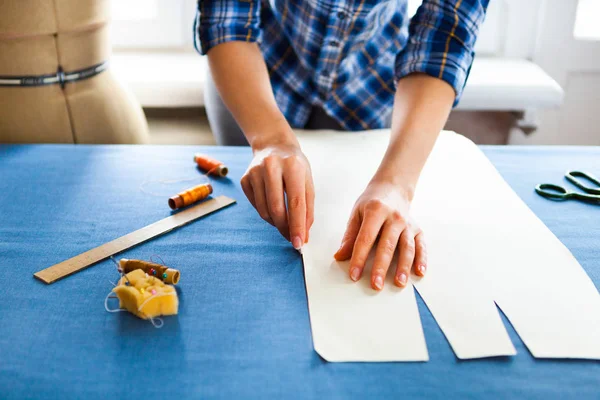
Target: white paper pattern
[(484, 245)]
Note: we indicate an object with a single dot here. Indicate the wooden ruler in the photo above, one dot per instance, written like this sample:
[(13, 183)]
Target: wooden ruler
[(95, 255)]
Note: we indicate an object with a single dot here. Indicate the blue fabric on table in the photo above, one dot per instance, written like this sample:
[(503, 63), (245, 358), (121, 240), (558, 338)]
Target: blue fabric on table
[(243, 328)]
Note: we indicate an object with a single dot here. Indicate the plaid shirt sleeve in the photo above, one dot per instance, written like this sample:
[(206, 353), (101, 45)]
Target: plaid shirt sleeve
[(220, 21), (441, 39)]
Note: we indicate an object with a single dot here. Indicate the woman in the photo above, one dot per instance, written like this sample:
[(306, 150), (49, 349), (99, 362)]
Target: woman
[(337, 65)]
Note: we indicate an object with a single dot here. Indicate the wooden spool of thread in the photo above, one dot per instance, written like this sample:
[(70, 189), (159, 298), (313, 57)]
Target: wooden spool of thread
[(210, 165), (190, 196), (166, 274)]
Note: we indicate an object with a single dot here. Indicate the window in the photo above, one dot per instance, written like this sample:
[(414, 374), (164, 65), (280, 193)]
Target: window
[(586, 20), (156, 24), (490, 35), (134, 10)]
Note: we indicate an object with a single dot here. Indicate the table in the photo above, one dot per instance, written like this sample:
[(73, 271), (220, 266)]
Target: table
[(243, 328)]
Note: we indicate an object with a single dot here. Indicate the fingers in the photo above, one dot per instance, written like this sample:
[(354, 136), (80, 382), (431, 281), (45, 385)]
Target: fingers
[(260, 198), (405, 257), (372, 221), (345, 250), (420, 263), (275, 198), (266, 184), (295, 186), (247, 188), (275, 173), (310, 205), (388, 241)]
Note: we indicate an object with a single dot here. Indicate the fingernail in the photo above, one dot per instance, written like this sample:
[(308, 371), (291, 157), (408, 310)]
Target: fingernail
[(402, 279), (297, 242), (355, 274), (378, 282), (422, 269)]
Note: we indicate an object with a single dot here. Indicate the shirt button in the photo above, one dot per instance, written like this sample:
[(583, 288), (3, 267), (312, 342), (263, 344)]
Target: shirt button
[(333, 43), (341, 15)]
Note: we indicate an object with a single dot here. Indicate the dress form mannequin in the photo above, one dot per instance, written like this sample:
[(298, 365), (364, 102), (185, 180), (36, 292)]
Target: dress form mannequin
[(38, 36)]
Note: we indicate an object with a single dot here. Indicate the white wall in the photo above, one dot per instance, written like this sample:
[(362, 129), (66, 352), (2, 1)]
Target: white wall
[(575, 65)]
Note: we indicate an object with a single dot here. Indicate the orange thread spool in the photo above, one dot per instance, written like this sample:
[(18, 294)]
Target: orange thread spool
[(210, 165), (190, 196), (171, 275)]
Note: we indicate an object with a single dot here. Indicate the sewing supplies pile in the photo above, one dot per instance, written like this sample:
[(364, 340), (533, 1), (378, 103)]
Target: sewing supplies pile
[(146, 289)]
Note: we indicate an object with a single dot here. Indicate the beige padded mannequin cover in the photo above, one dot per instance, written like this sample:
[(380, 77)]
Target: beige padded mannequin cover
[(36, 36)]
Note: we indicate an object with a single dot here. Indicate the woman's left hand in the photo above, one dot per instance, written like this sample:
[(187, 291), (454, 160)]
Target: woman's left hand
[(382, 214)]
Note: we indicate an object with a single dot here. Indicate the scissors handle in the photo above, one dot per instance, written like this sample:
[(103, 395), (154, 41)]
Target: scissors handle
[(559, 193), (552, 192), (573, 175)]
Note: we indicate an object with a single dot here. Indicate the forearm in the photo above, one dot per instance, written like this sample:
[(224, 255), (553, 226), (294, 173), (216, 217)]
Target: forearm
[(421, 107), (240, 74)]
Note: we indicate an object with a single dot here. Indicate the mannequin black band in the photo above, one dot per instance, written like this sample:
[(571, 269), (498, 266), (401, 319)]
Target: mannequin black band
[(59, 78)]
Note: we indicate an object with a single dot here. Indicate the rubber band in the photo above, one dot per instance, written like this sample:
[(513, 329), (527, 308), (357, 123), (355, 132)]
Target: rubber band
[(155, 321), (201, 179), (157, 325), (204, 178), (114, 310)]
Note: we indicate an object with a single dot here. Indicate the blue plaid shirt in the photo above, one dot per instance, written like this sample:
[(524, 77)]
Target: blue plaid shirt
[(346, 56)]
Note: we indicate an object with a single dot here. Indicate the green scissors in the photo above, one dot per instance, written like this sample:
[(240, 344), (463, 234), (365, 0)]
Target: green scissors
[(559, 193)]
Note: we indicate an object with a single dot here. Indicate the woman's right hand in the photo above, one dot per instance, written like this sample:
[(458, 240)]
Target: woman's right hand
[(279, 170)]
